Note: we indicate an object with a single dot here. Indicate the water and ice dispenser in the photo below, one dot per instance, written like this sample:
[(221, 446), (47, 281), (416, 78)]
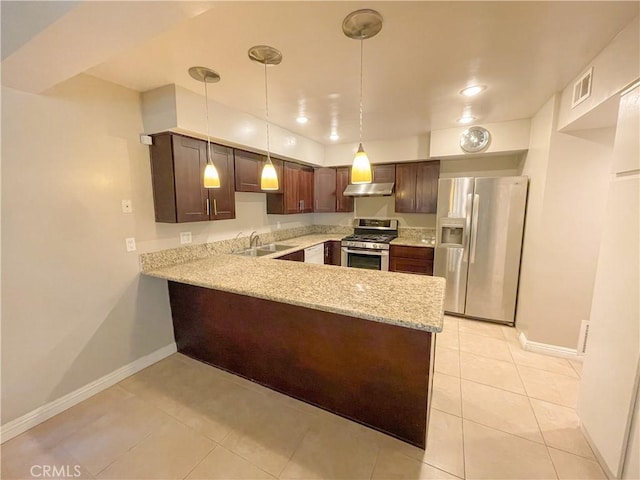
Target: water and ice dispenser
[(451, 232)]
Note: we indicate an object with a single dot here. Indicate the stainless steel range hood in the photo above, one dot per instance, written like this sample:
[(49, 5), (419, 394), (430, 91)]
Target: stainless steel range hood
[(369, 190)]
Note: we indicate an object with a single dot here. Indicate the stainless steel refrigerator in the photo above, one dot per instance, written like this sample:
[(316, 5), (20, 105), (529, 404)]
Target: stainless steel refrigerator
[(480, 222)]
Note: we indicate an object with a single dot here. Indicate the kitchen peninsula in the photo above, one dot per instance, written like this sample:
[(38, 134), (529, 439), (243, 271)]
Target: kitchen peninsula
[(358, 343)]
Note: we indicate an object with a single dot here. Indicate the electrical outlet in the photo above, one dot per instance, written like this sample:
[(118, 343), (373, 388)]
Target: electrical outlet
[(278, 225), (185, 237), (131, 244), (126, 206)]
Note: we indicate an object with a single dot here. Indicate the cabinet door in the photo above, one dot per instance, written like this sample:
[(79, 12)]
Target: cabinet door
[(248, 169), (306, 189), (383, 173), (411, 265), (427, 187), (332, 253), (406, 178), (279, 166), (293, 257), (189, 159), (291, 188), (163, 178), (417, 260), (324, 190), (222, 201), (343, 204)]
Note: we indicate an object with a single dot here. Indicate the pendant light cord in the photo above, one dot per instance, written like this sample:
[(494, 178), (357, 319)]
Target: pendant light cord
[(206, 100), (361, 55), (266, 108)]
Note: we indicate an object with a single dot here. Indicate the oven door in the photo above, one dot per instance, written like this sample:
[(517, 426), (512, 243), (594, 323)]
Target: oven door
[(365, 258)]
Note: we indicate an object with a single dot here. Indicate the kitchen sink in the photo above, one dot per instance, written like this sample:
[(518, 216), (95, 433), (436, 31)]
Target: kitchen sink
[(263, 250), (274, 247)]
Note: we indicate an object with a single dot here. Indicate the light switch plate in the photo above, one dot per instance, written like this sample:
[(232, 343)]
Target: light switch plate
[(127, 207), (131, 244), (185, 237)]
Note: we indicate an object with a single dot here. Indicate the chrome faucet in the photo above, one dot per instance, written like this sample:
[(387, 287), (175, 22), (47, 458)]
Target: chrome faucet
[(254, 239)]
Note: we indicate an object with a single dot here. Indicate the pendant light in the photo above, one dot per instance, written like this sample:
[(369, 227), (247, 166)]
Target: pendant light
[(267, 55), (206, 75), (360, 25)]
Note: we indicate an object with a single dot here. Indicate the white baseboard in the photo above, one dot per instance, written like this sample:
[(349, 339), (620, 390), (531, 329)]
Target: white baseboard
[(596, 452), (45, 412), (547, 349)]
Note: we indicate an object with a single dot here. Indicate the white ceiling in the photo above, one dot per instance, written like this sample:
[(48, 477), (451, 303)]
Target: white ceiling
[(413, 69)]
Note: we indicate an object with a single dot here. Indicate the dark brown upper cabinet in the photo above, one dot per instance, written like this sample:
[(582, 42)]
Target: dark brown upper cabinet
[(177, 170), (325, 189), (248, 170), (329, 185), (297, 187), (385, 173), (343, 178), (417, 187)]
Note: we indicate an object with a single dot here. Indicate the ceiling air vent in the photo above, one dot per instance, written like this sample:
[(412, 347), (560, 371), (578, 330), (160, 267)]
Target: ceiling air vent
[(582, 88)]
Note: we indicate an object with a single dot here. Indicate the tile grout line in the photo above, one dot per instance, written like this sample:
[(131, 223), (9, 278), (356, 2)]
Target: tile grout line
[(215, 445), (293, 451)]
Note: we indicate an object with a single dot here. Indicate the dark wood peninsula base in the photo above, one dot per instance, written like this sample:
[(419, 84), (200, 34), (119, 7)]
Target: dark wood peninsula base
[(377, 374)]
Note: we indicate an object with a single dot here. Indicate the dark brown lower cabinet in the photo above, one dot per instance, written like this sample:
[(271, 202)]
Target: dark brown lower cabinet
[(332, 253), (377, 374), (293, 257), (417, 260)]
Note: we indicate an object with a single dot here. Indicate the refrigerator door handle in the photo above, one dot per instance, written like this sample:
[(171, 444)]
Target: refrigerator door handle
[(474, 227), (467, 229)]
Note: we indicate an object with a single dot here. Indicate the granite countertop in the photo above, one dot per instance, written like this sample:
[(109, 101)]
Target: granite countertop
[(413, 301), (413, 242)]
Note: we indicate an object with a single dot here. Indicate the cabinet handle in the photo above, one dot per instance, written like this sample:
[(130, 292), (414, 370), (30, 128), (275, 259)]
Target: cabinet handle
[(215, 207), (208, 208), (316, 205)]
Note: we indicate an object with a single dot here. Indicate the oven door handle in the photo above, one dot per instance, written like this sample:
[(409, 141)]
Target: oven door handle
[(378, 253)]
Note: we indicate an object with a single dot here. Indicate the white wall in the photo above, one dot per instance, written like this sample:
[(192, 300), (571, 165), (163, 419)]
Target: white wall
[(535, 167), (609, 388), (614, 69), (175, 108), (74, 305), (380, 151), (569, 181), (506, 137), (482, 166)]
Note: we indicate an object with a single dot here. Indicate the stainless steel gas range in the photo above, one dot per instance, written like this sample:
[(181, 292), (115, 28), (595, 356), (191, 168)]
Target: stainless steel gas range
[(368, 247)]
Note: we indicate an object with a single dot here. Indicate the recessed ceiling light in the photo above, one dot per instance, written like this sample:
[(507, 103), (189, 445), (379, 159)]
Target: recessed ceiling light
[(302, 119), (466, 119), (472, 90), (334, 137)]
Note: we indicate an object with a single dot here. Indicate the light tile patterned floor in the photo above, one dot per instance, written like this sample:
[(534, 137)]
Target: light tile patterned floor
[(498, 413)]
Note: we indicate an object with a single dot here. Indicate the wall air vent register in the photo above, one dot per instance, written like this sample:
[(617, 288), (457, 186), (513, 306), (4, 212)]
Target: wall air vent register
[(582, 88)]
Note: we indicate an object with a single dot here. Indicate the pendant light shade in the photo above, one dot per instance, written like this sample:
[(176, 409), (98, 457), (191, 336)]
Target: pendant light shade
[(269, 178), (360, 25), (361, 168), (206, 75), (211, 177), (267, 55)]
